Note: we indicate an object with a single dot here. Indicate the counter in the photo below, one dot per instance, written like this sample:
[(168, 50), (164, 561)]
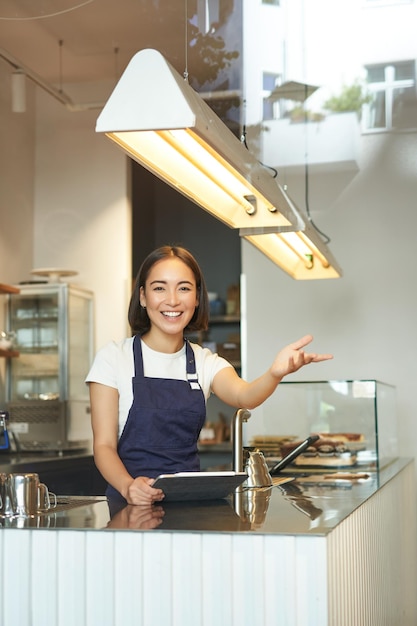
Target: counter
[(314, 551), (67, 472)]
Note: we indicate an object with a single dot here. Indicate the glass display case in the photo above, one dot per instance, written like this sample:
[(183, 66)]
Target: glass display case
[(46, 396), (357, 416)]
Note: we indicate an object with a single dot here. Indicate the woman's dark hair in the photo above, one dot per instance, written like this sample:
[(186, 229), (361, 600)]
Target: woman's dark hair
[(137, 315)]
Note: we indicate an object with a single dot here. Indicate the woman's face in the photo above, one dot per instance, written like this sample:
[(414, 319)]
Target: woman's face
[(170, 295)]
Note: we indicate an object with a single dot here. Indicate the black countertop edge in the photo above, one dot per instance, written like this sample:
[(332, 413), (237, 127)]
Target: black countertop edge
[(19, 461)]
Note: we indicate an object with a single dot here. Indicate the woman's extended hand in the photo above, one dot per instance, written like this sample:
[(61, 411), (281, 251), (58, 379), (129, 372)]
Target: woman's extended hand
[(233, 390), (293, 357), (140, 491)]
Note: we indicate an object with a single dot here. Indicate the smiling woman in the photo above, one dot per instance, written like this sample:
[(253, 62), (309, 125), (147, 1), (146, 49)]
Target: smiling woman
[(148, 392), (172, 273), (170, 298)]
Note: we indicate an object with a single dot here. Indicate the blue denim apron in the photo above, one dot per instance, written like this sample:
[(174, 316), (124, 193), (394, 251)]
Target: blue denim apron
[(163, 424)]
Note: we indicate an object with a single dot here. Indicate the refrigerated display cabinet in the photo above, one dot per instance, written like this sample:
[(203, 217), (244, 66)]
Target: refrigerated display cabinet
[(46, 396), (360, 413)]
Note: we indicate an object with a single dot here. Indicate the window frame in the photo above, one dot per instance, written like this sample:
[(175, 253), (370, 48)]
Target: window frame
[(388, 86), (266, 92)]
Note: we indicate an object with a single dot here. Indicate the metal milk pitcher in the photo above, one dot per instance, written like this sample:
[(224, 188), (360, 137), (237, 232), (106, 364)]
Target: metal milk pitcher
[(28, 496), (256, 468)]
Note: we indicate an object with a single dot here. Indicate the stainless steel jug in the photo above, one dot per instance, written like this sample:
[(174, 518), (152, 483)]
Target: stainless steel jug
[(252, 505), (27, 495), (256, 468)]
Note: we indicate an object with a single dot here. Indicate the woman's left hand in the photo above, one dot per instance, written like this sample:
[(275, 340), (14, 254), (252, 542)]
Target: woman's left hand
[(233, 390), (293, 357)]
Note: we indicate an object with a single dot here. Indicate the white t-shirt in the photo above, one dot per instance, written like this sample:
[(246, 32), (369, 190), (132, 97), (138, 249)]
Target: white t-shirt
[(114, 366)]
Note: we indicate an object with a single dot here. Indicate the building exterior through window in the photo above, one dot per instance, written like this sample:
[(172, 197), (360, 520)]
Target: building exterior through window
[(269, 82), (393, 90)]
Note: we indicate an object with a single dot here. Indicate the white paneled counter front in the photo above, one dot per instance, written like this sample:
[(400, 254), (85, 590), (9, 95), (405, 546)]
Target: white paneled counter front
[(316, 551)]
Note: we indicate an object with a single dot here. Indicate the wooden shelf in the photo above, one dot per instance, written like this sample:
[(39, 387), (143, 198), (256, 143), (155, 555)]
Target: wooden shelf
[(7, 354), (8, 288), (224, 319)]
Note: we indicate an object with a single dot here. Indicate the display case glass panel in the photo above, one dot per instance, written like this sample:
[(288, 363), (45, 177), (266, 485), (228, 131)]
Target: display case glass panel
[(359, 416), (46, 394), (34, 319)]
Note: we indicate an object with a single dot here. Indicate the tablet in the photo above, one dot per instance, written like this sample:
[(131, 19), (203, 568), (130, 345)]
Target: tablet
[(199, 485)]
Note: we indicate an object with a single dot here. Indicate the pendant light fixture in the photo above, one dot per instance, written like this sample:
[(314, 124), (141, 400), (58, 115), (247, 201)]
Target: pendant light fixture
[(158, 119), (301, 254)]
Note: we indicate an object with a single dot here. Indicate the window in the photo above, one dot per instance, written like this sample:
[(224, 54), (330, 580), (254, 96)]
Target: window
[(269, 82), (392, 87), (274, 2)]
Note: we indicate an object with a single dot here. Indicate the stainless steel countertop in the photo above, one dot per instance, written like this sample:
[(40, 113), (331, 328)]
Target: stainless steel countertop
[(310, 504)]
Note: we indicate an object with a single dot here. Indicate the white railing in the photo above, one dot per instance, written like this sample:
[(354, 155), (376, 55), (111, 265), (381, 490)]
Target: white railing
[(332, 143)]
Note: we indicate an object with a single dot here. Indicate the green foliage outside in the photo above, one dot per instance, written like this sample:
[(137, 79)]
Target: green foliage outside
[(351, 98)]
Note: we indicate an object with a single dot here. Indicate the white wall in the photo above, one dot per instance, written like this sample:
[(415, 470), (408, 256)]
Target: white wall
[(17, 163), (17, 134), (82, 210), (64, 204), (367, 318)]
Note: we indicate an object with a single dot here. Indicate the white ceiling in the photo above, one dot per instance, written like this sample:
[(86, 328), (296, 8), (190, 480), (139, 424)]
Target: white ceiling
[(98, 36)]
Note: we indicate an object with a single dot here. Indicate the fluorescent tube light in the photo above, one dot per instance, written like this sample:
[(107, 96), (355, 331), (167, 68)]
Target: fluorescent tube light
[(156, 117), (18, 92), (301, 254)]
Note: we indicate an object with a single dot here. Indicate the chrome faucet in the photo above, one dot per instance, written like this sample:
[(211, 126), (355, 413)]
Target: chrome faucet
[(255, 465), (241, 415)]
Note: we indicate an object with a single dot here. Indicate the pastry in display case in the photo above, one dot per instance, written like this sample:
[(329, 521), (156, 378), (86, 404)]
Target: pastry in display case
[(354, 419), (330, 450)]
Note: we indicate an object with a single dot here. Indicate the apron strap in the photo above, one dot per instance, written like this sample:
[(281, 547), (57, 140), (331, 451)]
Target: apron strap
[(137, 356), (191, 368), (190, 361)]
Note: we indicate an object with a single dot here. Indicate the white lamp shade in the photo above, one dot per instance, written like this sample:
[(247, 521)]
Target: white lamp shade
[(160, 121)]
